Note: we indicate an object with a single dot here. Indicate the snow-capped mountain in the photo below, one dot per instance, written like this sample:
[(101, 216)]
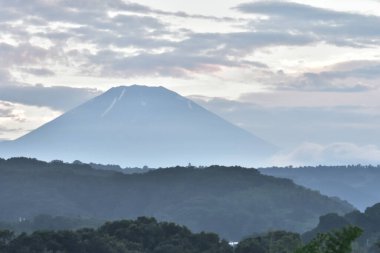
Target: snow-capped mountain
[(139, 125)]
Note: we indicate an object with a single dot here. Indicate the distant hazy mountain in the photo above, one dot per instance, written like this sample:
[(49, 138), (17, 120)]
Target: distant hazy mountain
[(231, 201), (358, 184), (140, 125)]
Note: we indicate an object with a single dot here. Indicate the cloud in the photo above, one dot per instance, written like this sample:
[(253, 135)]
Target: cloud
[(57, 97), (61, 24), (125, 39), (241, 43), (18, 119), (5, 110), (8, 112), (165, 64), (5, 76), (61, 98), (23, 54), (39, 71), (84, 35), (346, 76), (350, 76), (200, 53), (138, 8), (7, 130), (302, 118), (331, 154), (334, 27), (307, 99)]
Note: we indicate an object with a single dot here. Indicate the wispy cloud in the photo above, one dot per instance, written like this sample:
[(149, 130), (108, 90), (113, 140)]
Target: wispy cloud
[(18, 119), (5, 110), (8, 112), (22, 54), (339, 28), (332, 154), (320, 121), (351, 76), (59, 98), (105, 38), (38, 71)]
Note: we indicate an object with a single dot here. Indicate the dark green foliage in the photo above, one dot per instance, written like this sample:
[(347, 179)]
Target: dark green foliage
[(334, 242), (126, 170), (327, 223), (6, 237), (369, 221), (231, 201), (272, 242), (144, 235)]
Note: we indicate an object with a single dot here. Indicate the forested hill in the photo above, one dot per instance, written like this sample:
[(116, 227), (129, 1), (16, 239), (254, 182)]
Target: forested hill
[(144, 235), (231, 201), (369, 221), (358, 184)]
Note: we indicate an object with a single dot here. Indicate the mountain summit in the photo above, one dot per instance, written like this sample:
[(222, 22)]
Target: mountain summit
[(138, 125)]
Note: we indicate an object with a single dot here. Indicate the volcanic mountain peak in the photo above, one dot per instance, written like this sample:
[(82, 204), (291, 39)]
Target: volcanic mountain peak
[(137, 125)]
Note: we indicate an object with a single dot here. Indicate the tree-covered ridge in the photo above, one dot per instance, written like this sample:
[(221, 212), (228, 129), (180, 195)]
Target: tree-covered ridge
[(358, 184), (231, 201), (339, 241), (271, 242), (144, 235)]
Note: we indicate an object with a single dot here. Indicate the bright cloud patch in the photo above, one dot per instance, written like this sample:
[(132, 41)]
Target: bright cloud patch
[(18, 119)]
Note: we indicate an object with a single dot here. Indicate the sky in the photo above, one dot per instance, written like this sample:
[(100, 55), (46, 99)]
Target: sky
[(303, 75)]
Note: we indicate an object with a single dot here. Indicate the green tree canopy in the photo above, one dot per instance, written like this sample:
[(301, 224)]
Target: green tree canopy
[(334, 242)]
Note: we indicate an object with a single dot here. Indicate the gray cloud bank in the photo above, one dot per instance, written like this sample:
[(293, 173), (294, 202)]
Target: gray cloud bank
[(339, 28), (289, 126), (350, 76), (59, 98), (159, 49)]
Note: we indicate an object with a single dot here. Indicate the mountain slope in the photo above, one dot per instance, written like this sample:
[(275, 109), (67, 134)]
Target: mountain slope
[(140, 125), (231, 201), (358, 184)]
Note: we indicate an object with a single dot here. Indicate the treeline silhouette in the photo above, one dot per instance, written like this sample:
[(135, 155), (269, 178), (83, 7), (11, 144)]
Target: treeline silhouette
[(141, 235), (146, 235)]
